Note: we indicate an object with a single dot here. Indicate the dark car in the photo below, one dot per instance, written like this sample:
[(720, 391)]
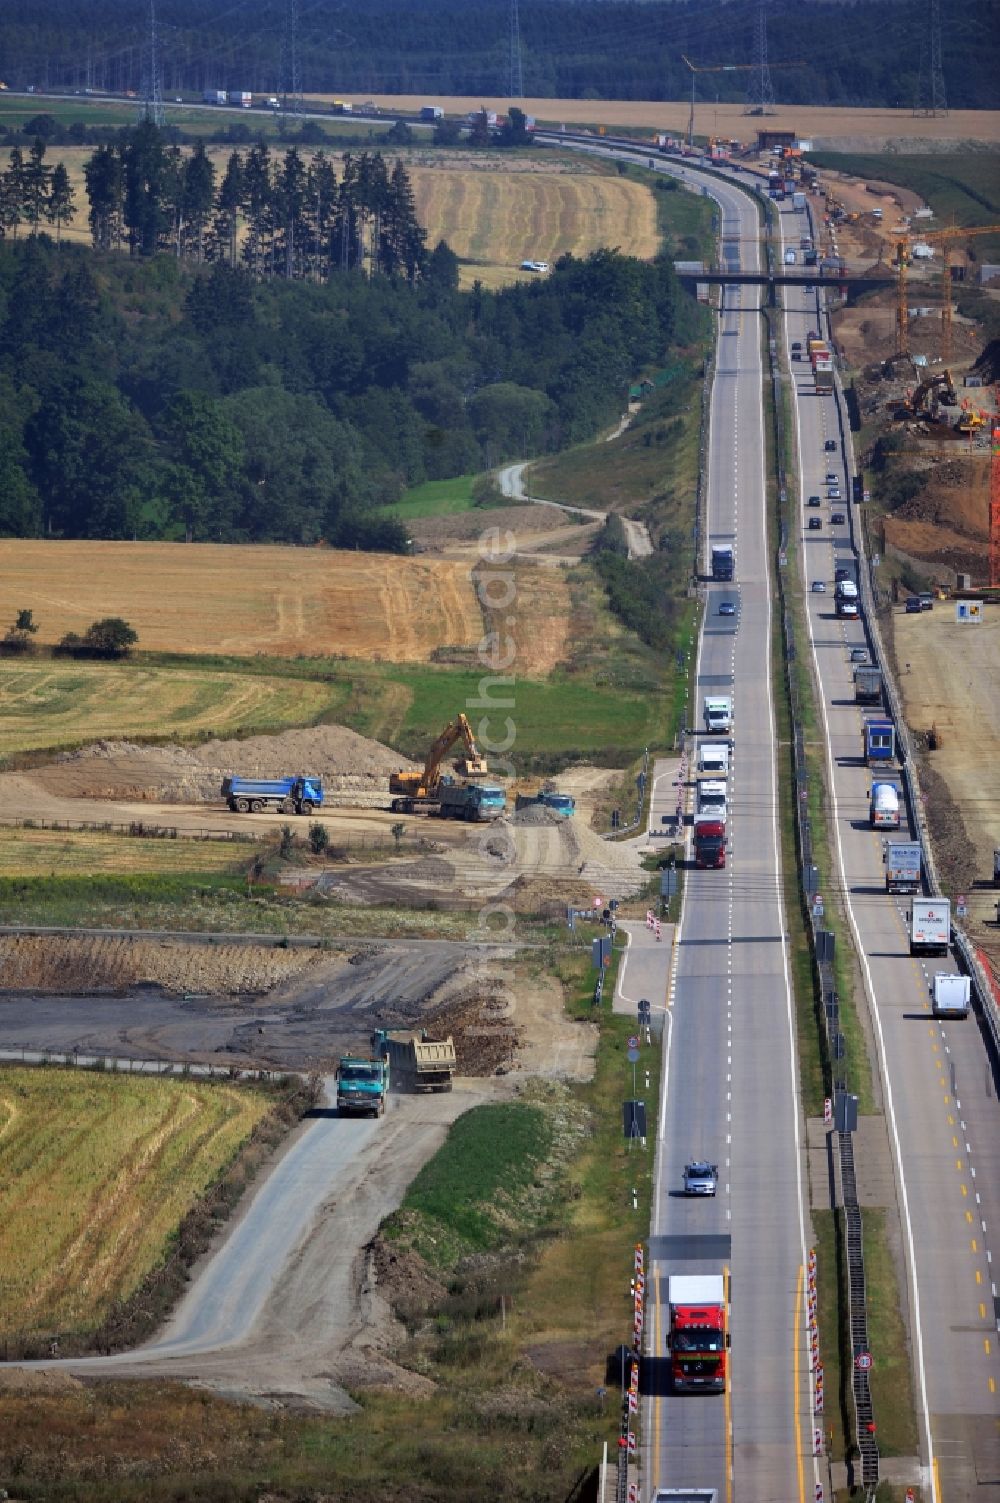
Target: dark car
[(859, 655), (813, 501), (815, 523), (913, 605), (837, 518), (796, 344), (830, 446), (840, 574)]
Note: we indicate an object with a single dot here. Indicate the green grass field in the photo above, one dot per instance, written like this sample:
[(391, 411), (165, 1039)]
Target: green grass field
[(436, 498), (192, 119), (962, 189)]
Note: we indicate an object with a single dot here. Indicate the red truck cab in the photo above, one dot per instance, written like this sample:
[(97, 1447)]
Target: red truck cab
[(709, 843)]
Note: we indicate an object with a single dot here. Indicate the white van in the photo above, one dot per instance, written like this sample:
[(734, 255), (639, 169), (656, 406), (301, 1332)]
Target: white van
[(790, 258), (713, 758)]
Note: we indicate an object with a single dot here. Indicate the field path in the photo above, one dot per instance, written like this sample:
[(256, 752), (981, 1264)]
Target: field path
[(640, 544)]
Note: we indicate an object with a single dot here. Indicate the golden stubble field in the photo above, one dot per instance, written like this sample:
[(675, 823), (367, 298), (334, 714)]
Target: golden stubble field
[(494, 210), (245, 599), (98, 1170)]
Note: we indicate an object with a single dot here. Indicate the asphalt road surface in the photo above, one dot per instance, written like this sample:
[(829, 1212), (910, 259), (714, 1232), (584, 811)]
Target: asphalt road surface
[(940, 1098), (731, 1091)]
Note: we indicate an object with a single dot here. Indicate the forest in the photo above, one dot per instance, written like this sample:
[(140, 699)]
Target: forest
[(826, 52), (155, 396)]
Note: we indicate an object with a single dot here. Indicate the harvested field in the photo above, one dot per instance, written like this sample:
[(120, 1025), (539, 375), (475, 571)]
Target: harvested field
[(39, 853), (98, 1172), (494, 211), (210, 598), (50, 704), (824, 126)]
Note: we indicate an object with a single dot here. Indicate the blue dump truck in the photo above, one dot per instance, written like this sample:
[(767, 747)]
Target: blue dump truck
[(475, 802), (362, 1086), (297, 795), (548, 798)]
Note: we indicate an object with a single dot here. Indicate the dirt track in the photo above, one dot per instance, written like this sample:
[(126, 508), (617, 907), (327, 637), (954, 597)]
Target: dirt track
[(952, 681)]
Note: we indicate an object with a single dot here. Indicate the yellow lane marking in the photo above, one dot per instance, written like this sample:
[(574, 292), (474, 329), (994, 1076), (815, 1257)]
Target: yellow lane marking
[(979, 1276), (958, 1165), (986, 1345), (974, 1247), (954, 1142), (982, 1310), (993, 1385), (968, 1217), (964, 1190), (951, 1120)]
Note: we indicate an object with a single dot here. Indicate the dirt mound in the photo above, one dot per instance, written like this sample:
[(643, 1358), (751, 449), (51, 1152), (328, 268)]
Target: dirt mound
[(536, 814), (344, 760), (63, 963)]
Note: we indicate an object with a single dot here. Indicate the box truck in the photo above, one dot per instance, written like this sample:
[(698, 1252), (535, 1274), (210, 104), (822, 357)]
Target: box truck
[(902, 866), (698, 1339), (930, 926), (718, 713), (713, 758)]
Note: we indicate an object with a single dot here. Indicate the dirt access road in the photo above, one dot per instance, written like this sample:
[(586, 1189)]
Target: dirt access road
[(285, 1310)]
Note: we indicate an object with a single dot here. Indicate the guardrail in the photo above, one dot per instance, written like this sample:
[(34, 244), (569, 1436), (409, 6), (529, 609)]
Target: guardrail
[(822, 949)]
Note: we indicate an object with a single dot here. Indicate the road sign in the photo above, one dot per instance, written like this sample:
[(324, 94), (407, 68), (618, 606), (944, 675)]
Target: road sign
[(633, 1042), (863, 1362), (961, 906), (632, 1056)]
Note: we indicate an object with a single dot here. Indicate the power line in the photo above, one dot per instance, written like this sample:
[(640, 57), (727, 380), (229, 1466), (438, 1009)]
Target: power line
[(760, 95), (291, 81), (152, 93), (516, 74), (931, 97)]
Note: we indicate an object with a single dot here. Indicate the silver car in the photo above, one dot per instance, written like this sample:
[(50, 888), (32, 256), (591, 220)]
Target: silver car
[(701, 1178)]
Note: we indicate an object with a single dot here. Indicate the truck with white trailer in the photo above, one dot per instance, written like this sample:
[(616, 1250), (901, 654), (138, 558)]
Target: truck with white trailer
[(710, 800), (903, 866), (883, 806), (930, 926), (950, 995)]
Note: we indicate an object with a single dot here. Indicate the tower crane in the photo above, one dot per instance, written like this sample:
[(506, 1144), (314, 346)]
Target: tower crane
[(721, 68), (904, 247)]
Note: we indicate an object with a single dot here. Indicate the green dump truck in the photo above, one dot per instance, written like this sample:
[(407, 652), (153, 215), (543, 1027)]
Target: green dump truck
[(418, 1063), (362, 1086)]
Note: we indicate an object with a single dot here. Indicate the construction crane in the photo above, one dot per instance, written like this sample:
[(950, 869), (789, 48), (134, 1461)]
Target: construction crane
[(904, 247), (722, 68), (418, 787)]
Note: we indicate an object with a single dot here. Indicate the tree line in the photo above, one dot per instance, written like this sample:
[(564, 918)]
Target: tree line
[(158, 397), (280, 217), (852, 52)]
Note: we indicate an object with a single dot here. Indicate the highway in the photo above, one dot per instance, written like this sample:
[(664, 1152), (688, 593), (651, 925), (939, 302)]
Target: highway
[(941, 1108), (730, 1072)]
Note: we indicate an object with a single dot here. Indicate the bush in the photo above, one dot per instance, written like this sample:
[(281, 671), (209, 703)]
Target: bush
[(110, 637), (319, 838)]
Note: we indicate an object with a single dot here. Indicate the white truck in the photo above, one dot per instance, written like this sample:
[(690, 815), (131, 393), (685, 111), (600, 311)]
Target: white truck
[(930, 926), (710, 800), (883, 807), (713, 758), (950, 995), (718, 713), (902, 866)]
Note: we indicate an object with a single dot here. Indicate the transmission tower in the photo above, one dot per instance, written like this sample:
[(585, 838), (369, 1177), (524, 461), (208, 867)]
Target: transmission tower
[(760, 96), (291, 81), (151, 107), (516, 75), (931, 97)]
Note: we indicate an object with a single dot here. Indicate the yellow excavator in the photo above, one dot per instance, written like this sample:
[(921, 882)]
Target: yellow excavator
[(939, 388), (411, 789)]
